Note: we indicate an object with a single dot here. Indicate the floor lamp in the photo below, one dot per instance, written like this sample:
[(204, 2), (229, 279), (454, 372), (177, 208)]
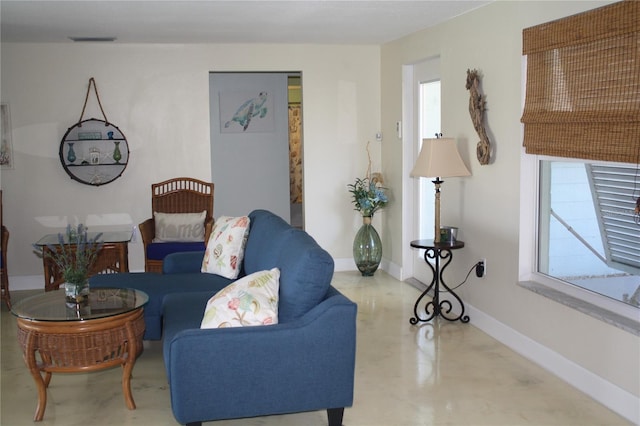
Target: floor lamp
[(439, 158)]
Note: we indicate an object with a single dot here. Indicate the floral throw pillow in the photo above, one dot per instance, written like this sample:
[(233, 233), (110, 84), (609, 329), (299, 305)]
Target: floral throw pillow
[(252, 300), (225, 249)]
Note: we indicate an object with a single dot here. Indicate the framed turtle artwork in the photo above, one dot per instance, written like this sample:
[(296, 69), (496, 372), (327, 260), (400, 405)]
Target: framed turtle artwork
[(246, 111)]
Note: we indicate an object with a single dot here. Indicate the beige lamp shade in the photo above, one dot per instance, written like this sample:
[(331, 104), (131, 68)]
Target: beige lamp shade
[(439, 158)]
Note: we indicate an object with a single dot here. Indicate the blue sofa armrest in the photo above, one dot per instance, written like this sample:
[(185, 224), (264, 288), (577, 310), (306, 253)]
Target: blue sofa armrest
[(303, 365), (181, 262)]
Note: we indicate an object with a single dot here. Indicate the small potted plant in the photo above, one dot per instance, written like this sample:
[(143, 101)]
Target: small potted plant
[(74, 255)]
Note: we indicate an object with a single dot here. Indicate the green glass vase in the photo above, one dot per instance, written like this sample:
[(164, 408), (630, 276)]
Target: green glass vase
[(367, 248), (117, 155), (71, 154)]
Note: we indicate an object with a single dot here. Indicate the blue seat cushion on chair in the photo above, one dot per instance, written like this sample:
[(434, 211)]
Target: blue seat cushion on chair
[(158, 251)]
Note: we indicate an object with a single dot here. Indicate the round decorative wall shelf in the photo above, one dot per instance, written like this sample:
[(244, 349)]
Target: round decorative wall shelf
[(94, 152)]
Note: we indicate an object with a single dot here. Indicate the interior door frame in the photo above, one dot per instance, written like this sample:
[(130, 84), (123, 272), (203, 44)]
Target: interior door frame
[(410, 185), (215, 124)]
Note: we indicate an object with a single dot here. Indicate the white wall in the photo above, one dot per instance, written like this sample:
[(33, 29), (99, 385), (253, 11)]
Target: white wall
[(486, 205), (158, 96)]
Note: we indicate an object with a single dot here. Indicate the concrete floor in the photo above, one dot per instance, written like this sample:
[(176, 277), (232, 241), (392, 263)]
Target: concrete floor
[(436, 374)]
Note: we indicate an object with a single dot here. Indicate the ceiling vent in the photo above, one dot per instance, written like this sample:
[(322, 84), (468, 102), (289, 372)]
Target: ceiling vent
[(93, 39)]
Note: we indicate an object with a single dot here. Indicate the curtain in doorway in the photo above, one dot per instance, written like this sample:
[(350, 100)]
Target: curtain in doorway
[(295, 157)]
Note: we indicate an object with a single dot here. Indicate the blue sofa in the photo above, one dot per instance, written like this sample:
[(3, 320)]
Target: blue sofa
[(306, 362)]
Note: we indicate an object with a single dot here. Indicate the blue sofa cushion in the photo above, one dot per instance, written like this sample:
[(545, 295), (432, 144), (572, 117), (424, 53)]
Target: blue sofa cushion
[(305, 268), (306, 271), (158, 251), (267, 233), (185, 311), (181, 262)]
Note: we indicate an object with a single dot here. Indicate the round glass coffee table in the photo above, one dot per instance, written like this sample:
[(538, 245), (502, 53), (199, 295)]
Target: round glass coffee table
[(69, 338)]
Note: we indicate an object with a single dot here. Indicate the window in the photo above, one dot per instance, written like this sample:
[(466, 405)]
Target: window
[(537, 275), (588, 231), (429, 126)]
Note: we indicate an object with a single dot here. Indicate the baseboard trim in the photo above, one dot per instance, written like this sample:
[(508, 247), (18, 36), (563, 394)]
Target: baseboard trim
[(347, 264), (391, 268), (344, 265), (26, 282), (611, 396)]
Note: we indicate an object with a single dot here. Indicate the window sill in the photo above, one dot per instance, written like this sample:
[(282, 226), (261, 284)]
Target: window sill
[(612, 318)]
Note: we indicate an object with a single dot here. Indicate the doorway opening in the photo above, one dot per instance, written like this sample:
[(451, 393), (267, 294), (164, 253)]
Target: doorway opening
[(421, 115), (257, 143), (294, 85)]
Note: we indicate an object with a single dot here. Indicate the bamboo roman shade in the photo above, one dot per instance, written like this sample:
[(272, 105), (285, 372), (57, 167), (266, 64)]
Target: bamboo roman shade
[(583, 85)]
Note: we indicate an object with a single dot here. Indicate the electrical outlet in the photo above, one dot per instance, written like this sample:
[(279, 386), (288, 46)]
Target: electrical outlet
[(481, 268)]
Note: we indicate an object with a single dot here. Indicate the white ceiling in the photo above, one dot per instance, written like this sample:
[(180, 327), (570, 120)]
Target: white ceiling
[(217, 21)]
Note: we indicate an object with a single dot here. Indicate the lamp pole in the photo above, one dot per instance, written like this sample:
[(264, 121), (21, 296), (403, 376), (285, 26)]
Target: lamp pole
[(436, 234)]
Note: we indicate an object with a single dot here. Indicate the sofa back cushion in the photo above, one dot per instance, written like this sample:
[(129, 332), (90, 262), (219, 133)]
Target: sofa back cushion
[(306, 269), (305, 275), (267, 233)]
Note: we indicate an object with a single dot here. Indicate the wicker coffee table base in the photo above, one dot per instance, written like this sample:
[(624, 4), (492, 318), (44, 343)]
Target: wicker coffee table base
[(81, 346)]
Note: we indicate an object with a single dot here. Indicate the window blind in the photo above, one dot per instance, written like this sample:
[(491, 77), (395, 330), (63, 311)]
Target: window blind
[(583, 85), (614, 193)]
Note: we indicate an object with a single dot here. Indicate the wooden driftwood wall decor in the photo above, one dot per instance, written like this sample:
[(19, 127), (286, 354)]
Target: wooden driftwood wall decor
[(476, 110)]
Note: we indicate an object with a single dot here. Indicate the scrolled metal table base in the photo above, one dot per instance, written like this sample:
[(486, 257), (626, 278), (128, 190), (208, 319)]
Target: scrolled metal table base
[(437, 306)]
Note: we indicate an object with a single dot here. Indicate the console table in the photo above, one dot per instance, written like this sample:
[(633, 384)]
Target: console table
[(69, 338), (438, 306), (112, 258)]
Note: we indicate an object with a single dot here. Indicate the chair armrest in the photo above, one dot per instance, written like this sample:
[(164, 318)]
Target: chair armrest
[(4, 237), (181, 262), (147, 232), (303, 365)]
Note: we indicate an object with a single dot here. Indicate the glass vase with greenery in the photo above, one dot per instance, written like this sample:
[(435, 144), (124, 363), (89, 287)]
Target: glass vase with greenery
[(73, 256), (368, 196)]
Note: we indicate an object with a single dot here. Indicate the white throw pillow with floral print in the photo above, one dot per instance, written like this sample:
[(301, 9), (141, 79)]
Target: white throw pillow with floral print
[(252, 300), (225, 249)]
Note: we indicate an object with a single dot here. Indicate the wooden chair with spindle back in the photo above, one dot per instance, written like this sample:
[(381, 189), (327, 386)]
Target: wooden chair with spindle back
[(178, 195)]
